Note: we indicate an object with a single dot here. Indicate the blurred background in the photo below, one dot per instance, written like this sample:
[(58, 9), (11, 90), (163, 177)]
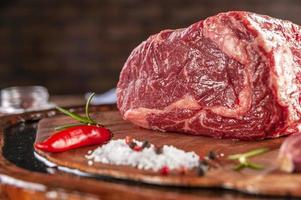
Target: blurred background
[(72, 47)]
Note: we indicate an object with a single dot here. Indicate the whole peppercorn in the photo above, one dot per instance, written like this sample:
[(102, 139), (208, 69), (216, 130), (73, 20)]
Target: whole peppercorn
[(128, 139), (132, 145), (145, 144), (158, 150), (137, 148), (202, 168), (211, 155)]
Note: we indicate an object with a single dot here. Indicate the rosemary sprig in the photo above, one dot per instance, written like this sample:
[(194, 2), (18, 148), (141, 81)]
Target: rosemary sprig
[(73, 115), (81, 119), (243, 161), (59, 128)]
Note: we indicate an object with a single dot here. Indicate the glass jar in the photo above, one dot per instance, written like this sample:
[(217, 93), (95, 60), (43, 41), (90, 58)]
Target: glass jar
[(24, 98)]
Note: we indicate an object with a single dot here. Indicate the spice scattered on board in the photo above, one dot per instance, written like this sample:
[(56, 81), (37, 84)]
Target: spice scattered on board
[(123, 152)]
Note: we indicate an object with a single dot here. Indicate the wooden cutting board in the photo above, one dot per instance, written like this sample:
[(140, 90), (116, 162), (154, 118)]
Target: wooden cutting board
[(268, 181)]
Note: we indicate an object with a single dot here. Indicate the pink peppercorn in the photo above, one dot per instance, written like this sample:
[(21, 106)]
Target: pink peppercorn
[(164, 171)]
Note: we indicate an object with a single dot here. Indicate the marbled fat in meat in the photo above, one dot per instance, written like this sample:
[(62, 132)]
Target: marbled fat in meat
[(233, 75)]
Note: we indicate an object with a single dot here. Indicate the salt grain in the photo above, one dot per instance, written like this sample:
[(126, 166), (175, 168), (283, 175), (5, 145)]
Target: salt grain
[(117, 152)]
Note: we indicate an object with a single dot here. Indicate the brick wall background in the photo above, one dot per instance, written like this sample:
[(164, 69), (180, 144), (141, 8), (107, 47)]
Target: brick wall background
[(78, 46)]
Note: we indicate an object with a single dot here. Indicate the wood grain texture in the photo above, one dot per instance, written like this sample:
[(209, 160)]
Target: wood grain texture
[(267, 182), (14, 181)]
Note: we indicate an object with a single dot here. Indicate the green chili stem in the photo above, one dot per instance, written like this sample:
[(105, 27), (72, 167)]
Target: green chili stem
[(81, 119), (87, 108)]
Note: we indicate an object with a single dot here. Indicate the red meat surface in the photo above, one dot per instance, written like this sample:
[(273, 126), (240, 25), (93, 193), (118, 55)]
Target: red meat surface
[(233, 75)]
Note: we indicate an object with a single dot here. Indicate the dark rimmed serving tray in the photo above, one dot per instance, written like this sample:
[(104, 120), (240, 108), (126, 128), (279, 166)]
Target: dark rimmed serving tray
[(22, 176)]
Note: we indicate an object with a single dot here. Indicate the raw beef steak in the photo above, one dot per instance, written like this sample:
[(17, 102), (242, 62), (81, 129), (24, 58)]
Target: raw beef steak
[(233, 75)]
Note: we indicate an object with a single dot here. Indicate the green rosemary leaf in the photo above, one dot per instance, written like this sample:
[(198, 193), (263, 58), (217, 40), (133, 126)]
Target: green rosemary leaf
[(255, 152), (234, 156), (243, 161), (254, 166), (74, 115), (59, 128), (248, 154), (87, 108), (239, 167)]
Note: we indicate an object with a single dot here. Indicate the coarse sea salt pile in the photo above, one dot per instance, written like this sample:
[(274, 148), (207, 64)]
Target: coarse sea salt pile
[(117, 152)]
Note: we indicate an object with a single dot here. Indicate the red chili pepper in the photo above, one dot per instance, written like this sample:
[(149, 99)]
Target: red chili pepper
[(75, 137)]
